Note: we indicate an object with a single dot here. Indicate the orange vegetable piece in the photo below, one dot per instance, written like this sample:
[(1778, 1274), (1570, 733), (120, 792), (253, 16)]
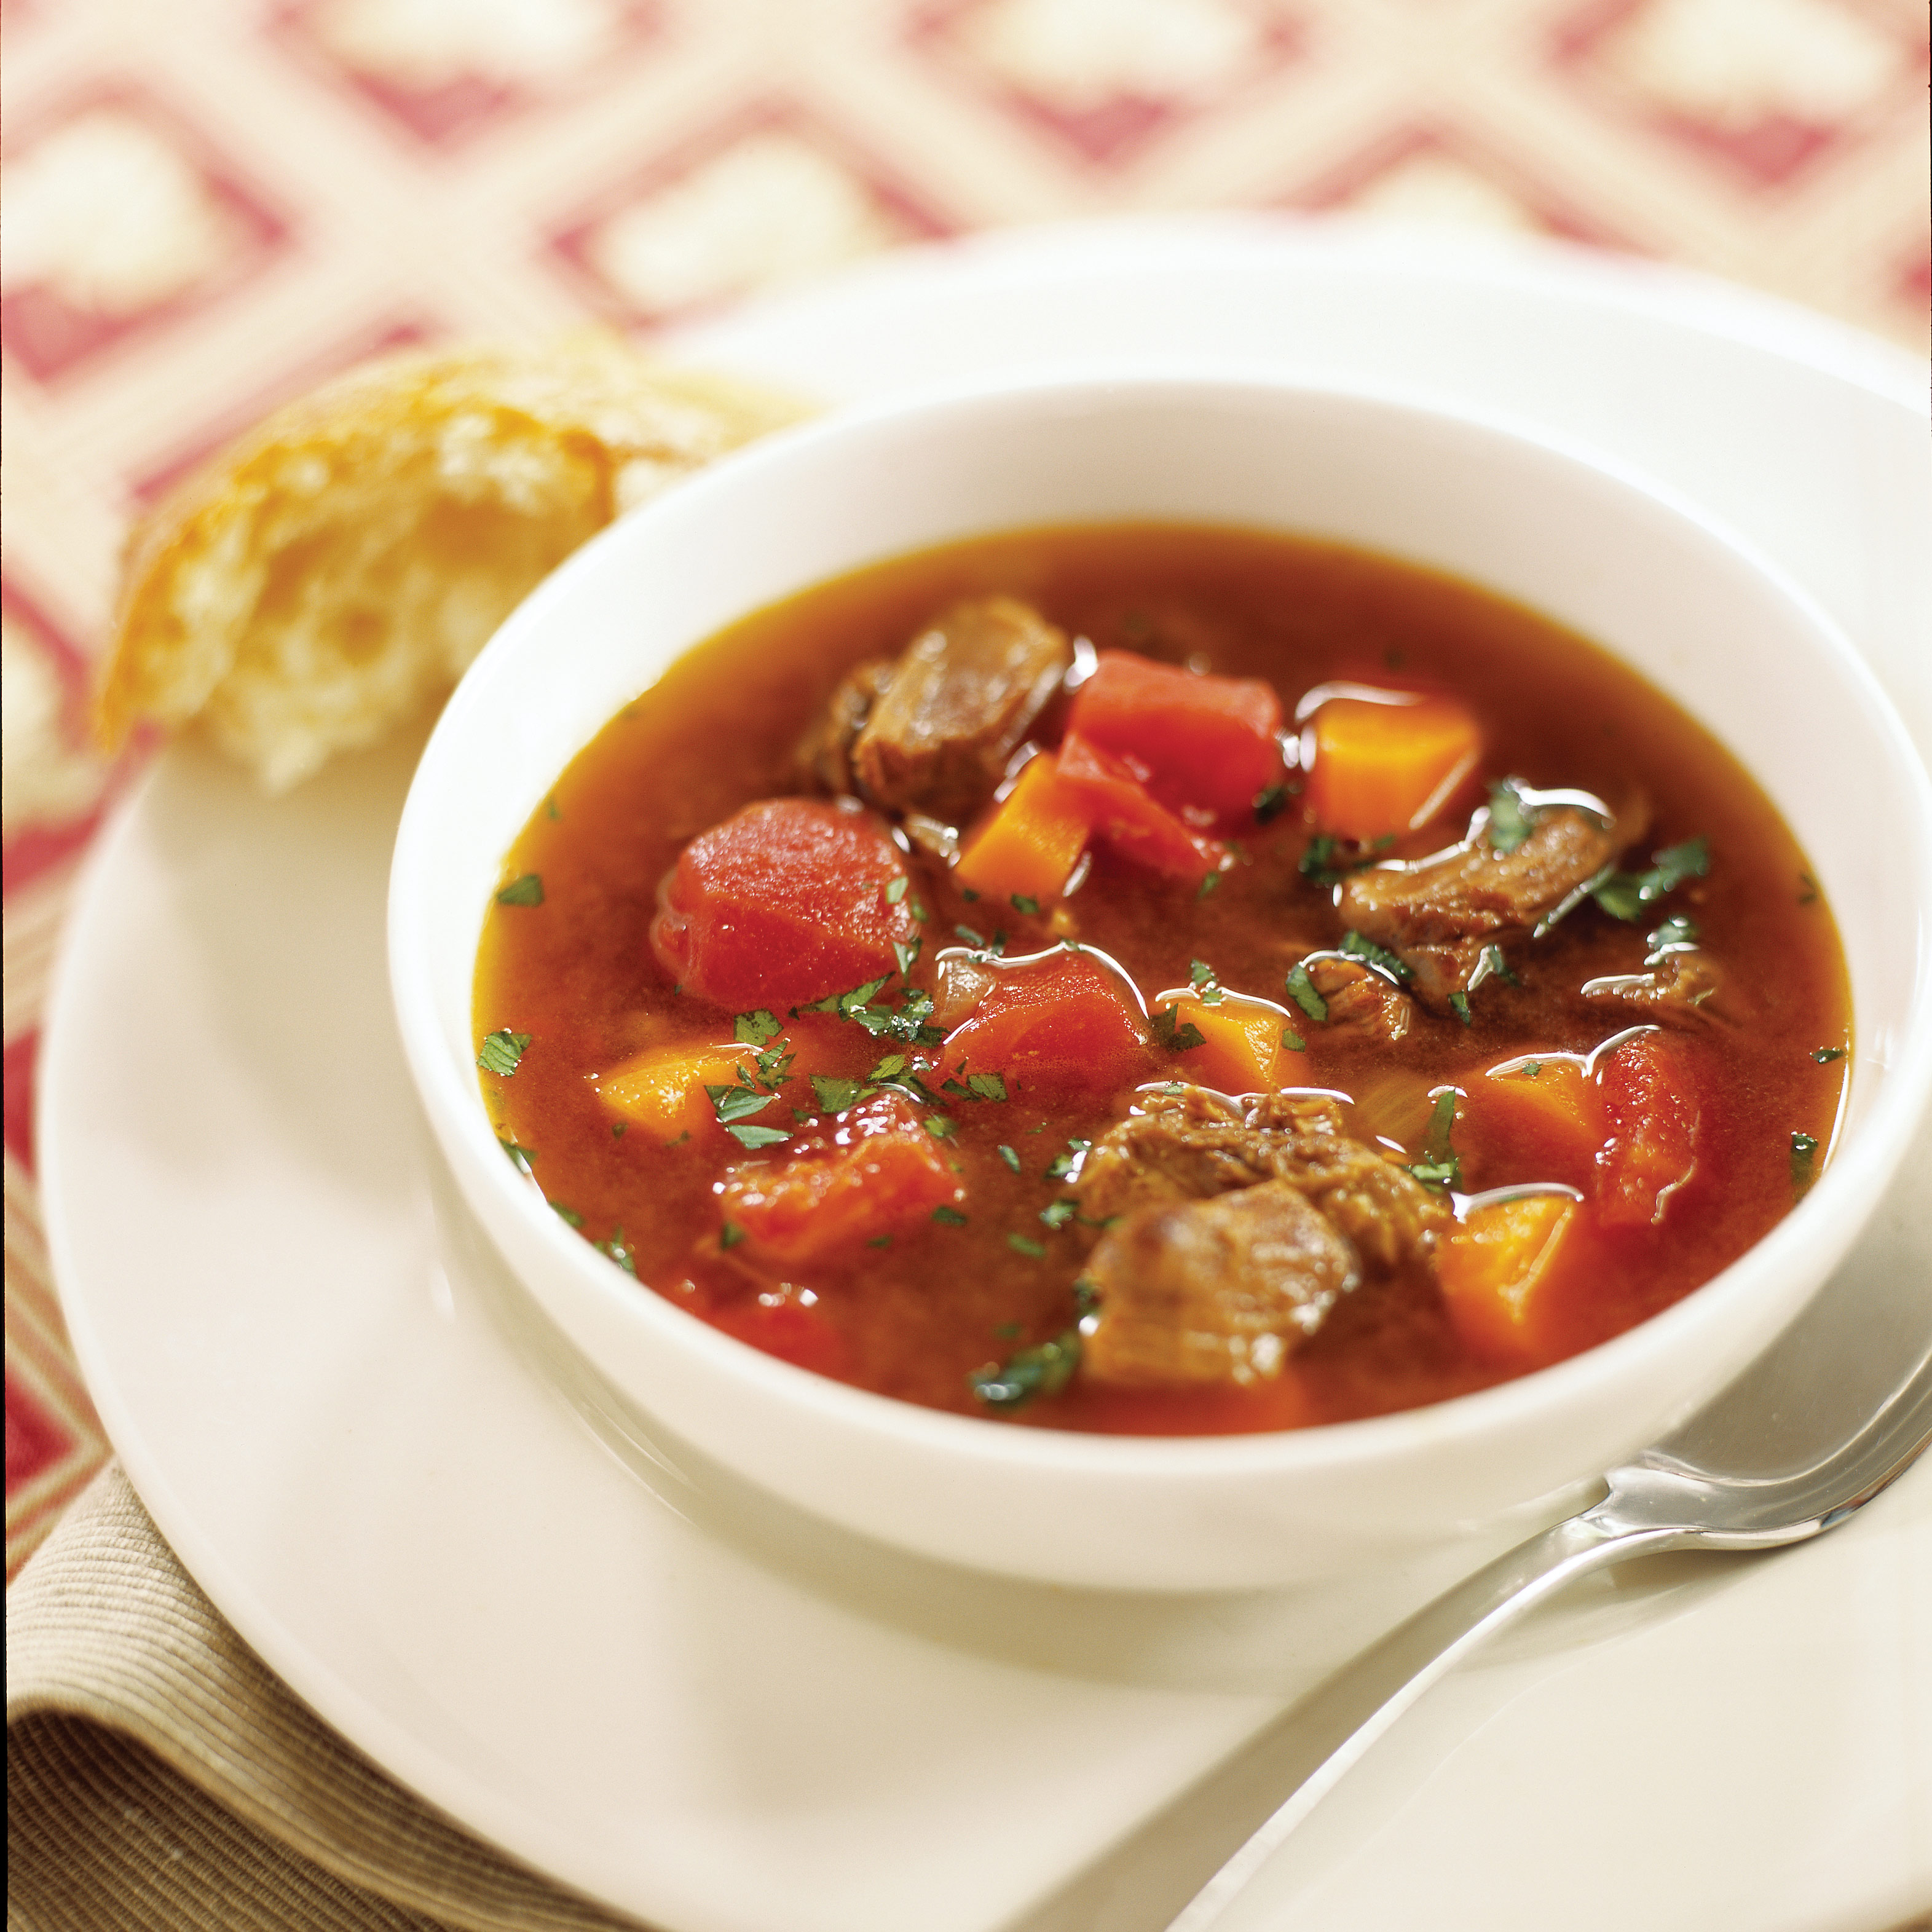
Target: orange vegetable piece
[(1066, 1025), (877, 1173), (1129, 817), (1206, 743), (1496, 1272), (1651, 1105), (1388, 768), (663, 1090), (1549, 1124), (1240, 1050), (1033, 839)]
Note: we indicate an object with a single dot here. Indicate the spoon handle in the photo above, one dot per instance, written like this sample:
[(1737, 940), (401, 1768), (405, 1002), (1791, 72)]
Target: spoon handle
[(1334, 1727)]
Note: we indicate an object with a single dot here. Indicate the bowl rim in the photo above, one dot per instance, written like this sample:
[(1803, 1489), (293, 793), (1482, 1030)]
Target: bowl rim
[(1824, 1223)]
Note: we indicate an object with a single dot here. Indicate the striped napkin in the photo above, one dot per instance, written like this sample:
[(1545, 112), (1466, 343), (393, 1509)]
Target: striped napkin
[(159, 1774)]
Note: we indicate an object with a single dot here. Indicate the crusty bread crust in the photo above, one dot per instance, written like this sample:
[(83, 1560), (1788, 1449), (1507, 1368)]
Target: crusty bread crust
[(334, 571)]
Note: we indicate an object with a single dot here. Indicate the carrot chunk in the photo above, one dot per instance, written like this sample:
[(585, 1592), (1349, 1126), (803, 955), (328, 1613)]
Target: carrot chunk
[(1496, 1272), (1650, 1102), (663, 1090), (1389, 768), (1240, 1049), (878, 1172), (1541, 1117), (1065, 1025), (1201, 743), (785, 902), (1128, 818), (1033, 839)]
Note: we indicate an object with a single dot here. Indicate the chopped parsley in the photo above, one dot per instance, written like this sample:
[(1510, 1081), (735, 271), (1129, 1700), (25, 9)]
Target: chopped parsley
[(920, 912), (880, 1241), (1329, 860), (1210, 882), (1807, 893), (617, 1129), (1301, 991), (1269, 801), (1177, 1036), (738, 1101), (1804, 1156), (753, 1029), (730, 1235), (624, 1257), (835, 1096), (752, 1139), (569, 1217), (1293, 1041), (1675, 931), (1824, 1056), (1025, 1244), (1511, 819), (1499, 968), (940, 1127), (896, 890), (890, 1068), (1012, 1159), (986, 1086), (1366, 950), (503, 1052), (1062, 1165), (1459, 1004), (520, 1157), (1440, 1166), (1044, 1369), (1202, 977), (905, 951), (1025, 902), (526, 891), (948, 1217), (909, 1022), (1057, 1213), (971, 937), (1624, 895)]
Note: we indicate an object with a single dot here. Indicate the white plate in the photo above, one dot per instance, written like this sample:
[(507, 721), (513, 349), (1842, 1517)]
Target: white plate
[(709, 1712)]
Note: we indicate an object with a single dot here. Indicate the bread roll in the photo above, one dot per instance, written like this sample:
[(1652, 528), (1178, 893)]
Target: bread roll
[(336, 569)]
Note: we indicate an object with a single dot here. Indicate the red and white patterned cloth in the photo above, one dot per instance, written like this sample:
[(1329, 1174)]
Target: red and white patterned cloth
[(211, 204)]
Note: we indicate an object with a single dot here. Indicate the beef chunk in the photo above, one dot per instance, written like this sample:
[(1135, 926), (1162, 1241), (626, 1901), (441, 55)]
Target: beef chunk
[(958, 703), (825, 751), (1214, 1291), (1677, 987), (1360, 1001), (1194, 1145), (1381, 1207), (1439, 914)]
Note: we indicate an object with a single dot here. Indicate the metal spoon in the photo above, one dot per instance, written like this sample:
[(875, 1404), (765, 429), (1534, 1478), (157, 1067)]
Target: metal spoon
[(1836, 1408)]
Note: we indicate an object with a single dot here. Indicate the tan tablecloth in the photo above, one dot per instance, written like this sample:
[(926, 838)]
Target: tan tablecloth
[(159, 1774)]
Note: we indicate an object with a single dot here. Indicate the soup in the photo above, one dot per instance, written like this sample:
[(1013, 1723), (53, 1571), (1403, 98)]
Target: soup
[(1160, 980)]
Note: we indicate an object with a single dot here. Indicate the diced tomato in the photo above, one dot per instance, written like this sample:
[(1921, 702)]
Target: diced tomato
[(1032, 840), (1064, 1025), (1127, 816), (1650, 1104), (1382, 768), (876, 1171), (785, 902), (1240, 1050), (1209, 743), (1497, 1272)]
